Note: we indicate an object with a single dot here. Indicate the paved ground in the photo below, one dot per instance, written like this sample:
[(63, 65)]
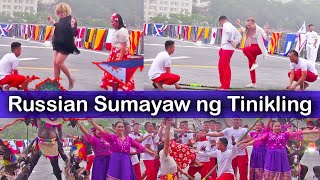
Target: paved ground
[(37, 59), (198, 64)]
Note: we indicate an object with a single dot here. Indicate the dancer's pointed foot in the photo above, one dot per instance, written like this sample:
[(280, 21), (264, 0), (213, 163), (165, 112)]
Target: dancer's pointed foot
[(71, 83)]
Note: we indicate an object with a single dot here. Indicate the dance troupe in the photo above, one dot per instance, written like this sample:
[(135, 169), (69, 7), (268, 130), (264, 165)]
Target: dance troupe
[(63, 42), (170, 152), (302, 71)]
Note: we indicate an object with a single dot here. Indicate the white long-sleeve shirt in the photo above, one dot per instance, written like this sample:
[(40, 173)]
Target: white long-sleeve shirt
[(203, 156), (230, 35), (224, 160)]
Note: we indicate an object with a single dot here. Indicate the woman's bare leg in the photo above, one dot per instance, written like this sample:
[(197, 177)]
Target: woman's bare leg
[(56, 68), (60, 63)]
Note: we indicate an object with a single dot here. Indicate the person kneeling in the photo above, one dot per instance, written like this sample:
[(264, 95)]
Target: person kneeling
[(160, 71), (302, 71), (9, 64)]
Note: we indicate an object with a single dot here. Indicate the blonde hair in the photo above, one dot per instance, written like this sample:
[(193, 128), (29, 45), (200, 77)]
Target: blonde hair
[(64, 8)]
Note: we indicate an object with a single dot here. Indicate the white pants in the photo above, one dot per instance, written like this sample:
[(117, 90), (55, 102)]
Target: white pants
[(311, 53)]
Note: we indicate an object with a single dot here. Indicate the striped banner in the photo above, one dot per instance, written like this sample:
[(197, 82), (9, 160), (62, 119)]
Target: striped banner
[(134, 41), (89, 38), (274, 41), (206, 35), (199, 33), (79, 38), (48, 31), (100, 36), (179, 32), (36, 32)]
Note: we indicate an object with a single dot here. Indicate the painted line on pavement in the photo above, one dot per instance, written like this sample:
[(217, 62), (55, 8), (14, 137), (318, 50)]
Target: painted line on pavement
[(179, 57), (42, 68)]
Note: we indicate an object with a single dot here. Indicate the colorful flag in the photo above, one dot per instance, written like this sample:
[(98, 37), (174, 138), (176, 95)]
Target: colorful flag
[(31, 30), (79, 38), (158, 29), (274, 41), (13, 145), (199, 33), (100, 35), (146, 29), (134, 41), (122, 70), (289, 43), (109, 38), (179, 31), (5, 29), (19, 144), (302, 40), (47, 33), (189, 33), (303, 29), (25, 31), (213, 36), (89, 38), (36, 32), (206, 35)]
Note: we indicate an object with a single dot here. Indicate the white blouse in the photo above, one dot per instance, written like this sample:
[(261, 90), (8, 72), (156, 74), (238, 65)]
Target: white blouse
[(168, 165), (121, 36)]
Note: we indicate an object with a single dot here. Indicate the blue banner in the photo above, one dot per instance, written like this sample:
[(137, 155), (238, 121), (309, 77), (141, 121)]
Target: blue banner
[(289, 43), (155, 104)]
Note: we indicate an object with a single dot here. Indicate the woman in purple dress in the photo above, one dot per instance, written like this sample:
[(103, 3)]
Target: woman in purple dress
[(101, 150), (120, 167), (276, 163), (257, 159)]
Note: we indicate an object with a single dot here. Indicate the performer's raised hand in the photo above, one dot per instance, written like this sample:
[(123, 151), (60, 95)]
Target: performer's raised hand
[(50, 20), (233, 140), (238, 22), (203, 148), (73, 22)]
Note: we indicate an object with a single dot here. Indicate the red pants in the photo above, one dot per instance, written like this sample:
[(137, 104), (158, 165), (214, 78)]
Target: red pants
[(226, 176), (90, 160), (242, 163), (311, 77), (167, 78), (252, 52), (202, 170), (224, 68), (152, 168), (13, 80), (137, 170), (211, 166)]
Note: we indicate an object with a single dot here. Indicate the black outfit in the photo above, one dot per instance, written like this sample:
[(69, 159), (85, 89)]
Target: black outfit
[(63, 37)]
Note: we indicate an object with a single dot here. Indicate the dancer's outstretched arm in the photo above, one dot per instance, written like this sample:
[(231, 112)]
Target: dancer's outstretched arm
[(98, 128), (50, 20), (83, 130)]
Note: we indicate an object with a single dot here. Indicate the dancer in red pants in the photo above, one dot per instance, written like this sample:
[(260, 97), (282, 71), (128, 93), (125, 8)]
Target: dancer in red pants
[(9, 64), (302, 71), (254, 46), (160, 71), (225, 157), (241, 161), (230, 38)]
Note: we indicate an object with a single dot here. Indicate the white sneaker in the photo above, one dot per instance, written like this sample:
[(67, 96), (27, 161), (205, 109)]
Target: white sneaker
[(253, 67), (251, 85)]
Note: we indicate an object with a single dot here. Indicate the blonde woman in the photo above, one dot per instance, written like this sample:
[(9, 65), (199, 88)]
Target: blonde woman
[(63, 40), (254, 46)]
